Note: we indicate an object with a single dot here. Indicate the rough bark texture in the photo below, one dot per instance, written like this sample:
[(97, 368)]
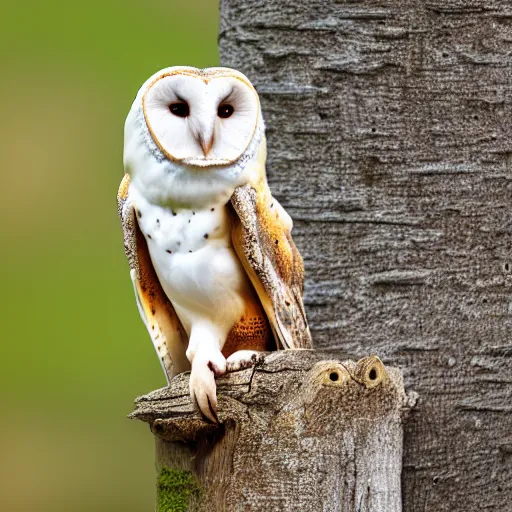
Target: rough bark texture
[(390, 144), (297, 433)]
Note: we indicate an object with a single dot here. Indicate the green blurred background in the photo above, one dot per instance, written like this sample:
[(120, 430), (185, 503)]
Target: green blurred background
[(74, 351)]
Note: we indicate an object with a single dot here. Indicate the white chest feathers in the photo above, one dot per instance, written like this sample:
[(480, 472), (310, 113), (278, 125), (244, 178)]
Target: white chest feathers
[(183, 231), (196, 264)]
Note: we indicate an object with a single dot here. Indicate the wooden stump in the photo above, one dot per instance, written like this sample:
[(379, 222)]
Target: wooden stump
[(299, 431)]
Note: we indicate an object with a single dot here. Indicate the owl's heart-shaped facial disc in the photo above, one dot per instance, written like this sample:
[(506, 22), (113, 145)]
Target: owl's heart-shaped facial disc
[(201, 118)]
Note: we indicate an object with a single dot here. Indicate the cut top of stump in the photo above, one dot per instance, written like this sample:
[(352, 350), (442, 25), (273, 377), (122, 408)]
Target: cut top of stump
[(304, 390)]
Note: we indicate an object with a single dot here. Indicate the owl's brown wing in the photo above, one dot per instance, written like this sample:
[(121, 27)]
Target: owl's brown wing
[(155, 309), (262, 239)]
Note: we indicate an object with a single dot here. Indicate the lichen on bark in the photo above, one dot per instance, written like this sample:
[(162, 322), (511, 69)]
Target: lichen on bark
[(175, 489)]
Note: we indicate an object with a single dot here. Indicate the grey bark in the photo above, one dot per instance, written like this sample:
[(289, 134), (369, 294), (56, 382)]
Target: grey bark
[(296, 433), (390, 146)]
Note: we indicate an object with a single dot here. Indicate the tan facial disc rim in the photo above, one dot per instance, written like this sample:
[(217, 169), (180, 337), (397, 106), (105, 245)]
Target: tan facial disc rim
[(206, 79)]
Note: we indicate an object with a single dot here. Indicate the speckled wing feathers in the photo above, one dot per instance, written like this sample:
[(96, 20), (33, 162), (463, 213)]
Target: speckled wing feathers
[(156, 311), (264, 245)]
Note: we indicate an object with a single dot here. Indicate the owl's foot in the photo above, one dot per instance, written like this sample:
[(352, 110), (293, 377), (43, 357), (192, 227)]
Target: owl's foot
[(243, 359), (203, 389)]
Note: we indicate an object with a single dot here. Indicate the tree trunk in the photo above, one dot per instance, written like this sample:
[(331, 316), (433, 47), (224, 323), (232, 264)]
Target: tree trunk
[(390, 146), (296, 434)]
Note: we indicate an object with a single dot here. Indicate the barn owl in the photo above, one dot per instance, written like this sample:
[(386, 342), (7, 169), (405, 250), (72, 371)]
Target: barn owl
[(216, 274)]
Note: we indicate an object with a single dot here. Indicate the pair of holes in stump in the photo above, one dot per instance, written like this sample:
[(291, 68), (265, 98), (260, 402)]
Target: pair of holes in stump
[(334, 376)]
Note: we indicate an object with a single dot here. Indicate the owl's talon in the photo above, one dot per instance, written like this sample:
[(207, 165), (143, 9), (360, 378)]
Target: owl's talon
[(217, 369), (203, 389), (203, 392), (243, 359)]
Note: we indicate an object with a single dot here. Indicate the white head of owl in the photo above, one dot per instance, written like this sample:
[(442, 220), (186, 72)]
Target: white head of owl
[(195, 118)]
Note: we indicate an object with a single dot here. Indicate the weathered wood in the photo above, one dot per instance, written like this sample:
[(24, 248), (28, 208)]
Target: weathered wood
[(390, 144), (298, 432)]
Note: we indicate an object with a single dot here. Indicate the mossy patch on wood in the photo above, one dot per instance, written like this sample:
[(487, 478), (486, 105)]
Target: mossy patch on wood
[(175, 488)]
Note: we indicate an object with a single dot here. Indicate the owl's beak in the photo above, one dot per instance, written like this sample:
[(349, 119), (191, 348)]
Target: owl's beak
[(206, 144), (202, 129)]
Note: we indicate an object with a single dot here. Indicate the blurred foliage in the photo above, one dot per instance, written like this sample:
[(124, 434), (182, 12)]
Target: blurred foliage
[(74, 351)]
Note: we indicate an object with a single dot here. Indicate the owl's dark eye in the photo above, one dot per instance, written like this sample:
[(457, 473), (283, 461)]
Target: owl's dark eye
[(225, 111), (180, 109)]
